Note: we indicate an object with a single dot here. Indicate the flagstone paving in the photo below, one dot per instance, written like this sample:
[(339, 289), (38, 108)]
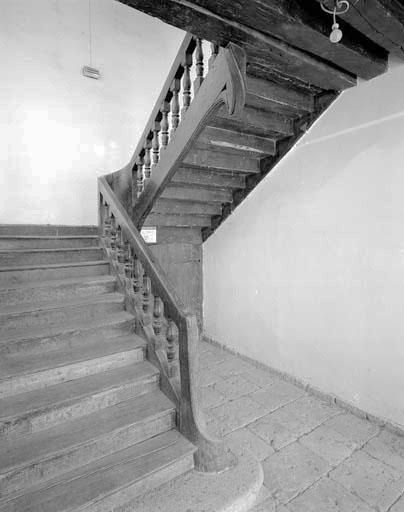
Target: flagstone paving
[(316, 456)]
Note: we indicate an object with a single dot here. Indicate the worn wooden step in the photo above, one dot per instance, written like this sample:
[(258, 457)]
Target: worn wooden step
[(67, 334), (274, 93), (198, 178), (199, 194), (221, 161), (26, 372), (47, 241), (36, 314), (45, 408), (17, 257), (109, 483), (180, 221), (258, 121), (47, 230), (38, 457), (57, 290), (169, 207), (29, 273), (221, 138)]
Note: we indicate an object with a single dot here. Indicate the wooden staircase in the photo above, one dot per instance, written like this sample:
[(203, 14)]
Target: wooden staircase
[(83, 422)]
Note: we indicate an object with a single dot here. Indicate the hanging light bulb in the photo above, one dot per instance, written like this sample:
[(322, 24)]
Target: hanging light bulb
[(340, 7), (336, 34)]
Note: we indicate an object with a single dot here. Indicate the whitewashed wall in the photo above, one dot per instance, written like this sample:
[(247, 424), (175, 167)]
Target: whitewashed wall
[(58, 129), (307, 275)]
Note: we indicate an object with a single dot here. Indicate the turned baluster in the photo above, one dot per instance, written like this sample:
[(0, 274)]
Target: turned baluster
[(158, 320), (215, 50), (113, 238), (147, 300), (140, 176), (165, 109), (175, 105), (128, 264), (172, 340), (186, 83), (106, 226), (147, 160), (120, 256), (156, 144), (198, 65), (136, 275)]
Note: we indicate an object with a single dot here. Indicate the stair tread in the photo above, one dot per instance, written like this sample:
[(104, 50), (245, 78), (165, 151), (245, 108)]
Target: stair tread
[(49, 305), (103, 477), (46, 443), (51, 250), (65, 392), (58, 282), (16, 365), (55, 265), (58, 328), (48, 237)]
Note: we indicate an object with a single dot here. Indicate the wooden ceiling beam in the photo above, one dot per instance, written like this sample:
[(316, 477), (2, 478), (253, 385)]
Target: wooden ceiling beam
[(382, 21), (304, 25), (283, 57)]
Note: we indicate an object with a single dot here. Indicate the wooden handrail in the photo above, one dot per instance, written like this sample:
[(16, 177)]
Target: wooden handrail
[(127, 251)]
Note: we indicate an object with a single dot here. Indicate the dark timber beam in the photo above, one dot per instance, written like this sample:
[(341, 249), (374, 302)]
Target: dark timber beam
[(283, 57), (382, 21), (304, 25)]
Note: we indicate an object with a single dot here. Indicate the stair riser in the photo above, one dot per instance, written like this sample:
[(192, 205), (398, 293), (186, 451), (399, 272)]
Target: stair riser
[(42, 318), (48, 274), (121, 500), (47, 243), (54, 293), (14, 259), (42, 379), (35, 421), (66, 339), (46, 230), (40, 470)]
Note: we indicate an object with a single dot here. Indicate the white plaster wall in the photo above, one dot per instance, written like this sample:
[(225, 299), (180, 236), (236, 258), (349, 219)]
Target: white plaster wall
[(58, 129), (307, 275)]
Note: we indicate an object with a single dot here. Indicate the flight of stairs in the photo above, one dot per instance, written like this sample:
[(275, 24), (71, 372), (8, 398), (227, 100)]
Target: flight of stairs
[(83, 423)]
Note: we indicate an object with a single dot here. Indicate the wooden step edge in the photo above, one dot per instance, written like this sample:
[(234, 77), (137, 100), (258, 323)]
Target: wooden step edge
[(55, 265)]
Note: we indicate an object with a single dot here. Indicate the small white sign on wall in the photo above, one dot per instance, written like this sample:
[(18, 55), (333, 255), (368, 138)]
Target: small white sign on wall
[(149, 235)]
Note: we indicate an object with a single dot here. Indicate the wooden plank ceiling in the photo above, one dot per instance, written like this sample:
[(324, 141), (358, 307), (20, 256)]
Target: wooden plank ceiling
[(288, 40)]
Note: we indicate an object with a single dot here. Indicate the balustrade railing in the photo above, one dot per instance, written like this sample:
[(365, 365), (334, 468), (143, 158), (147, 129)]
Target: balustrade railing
[(171, 108), (171, 332), (180, 88)]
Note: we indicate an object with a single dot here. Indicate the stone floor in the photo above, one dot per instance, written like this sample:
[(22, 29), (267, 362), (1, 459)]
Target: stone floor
[(316, 457)]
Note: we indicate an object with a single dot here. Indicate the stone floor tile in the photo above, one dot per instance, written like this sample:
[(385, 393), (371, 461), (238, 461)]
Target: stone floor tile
[(353, 428), (398, 506), (208, 377), (237, 414), (329, 444), (292, 470), (388, 448), (260, 378), (266, 506), (373, 481), (274, 431), (233, 366), (235, 386), (327, 495), (211, 397), (306, 413), (243, 439), (209, 359), (277, 395)]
